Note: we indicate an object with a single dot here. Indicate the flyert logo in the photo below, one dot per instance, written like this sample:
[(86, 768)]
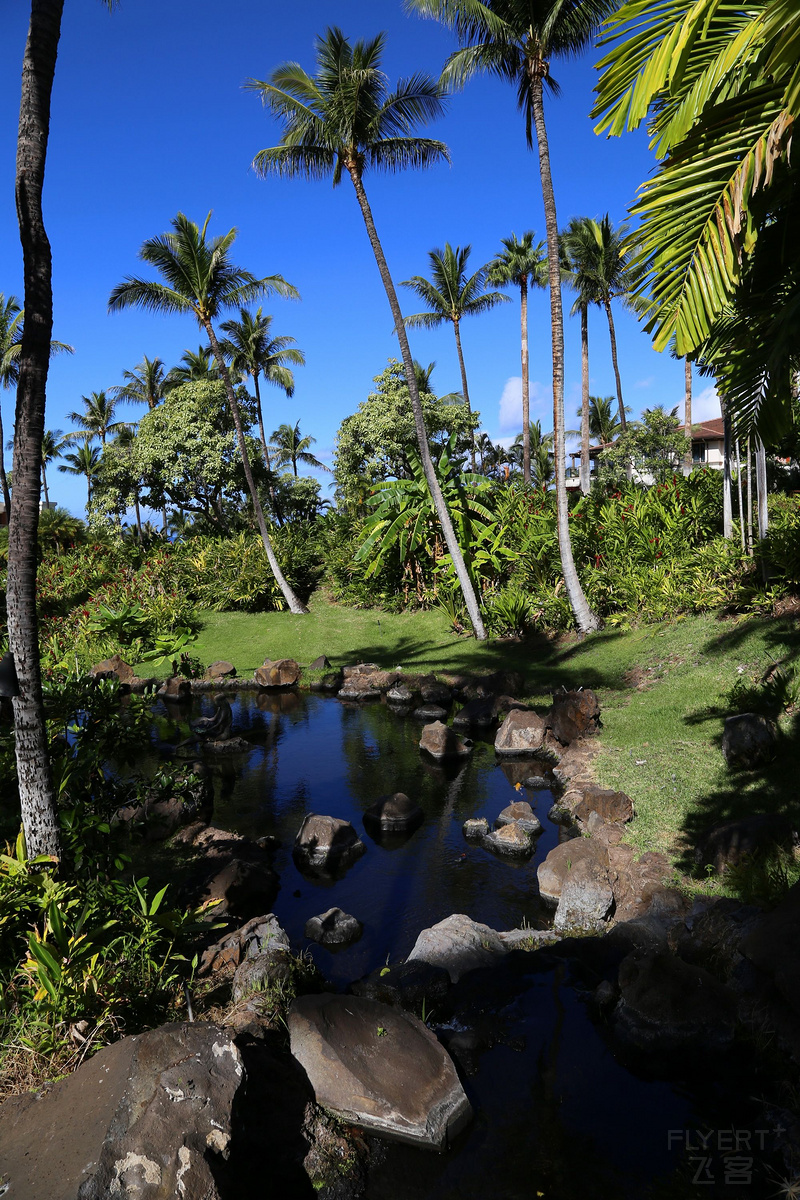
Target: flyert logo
[(723, 1156)]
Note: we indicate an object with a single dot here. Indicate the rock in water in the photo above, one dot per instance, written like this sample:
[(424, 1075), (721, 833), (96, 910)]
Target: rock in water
[(441, 742), (522, 732), (458, 944), (429, 712), (379, 1068), (520, 813), (283, 672), (748, 740), (326, 843), (668, 1006), (139, 1119), (511, 840), (394, 813), (334, 928)]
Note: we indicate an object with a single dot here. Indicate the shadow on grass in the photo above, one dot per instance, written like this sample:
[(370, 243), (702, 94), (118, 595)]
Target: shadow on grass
[(781, 635), (769, 789)]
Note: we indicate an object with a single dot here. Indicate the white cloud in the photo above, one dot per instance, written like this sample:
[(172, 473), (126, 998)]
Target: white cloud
[(645, 383), (510, 415), (705, 405)]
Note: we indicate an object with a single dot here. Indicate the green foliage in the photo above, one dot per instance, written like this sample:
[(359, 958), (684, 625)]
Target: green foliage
[(378, 441), (654, 448), (509, 613)]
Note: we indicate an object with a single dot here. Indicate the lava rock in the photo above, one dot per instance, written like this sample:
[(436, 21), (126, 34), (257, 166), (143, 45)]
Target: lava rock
[(519, 812), (607, 803), (259, 937), (727, 844), (326, 843), (429, 712), (573, 715), (475, 828), (334, 928), (511, 840), (478, 712), (114, 668), (406, 985), (401, 693), (394, 813), (433, 692), (748, 740), (441, 742), (522, 732), (563, 859), (668, 1006), (322, 663), (458, 944), (220, 670), (282, 672)]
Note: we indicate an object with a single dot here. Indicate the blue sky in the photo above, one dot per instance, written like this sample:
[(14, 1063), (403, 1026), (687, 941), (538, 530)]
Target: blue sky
[(150, 117)]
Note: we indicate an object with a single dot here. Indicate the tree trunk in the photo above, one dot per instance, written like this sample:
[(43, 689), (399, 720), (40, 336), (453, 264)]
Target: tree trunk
[(586, 469), (265, 447), (3, 477), (761, 489), (44, 485), (526, 383), (586, 620), (138, 515), (36, 791), (613, 337), (688, 460), (294, 604), (739, 490), (450, 538), (727, 505), (749, 499), (464, 387)]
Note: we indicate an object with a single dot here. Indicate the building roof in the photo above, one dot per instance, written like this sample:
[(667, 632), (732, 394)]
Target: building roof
[(706, 430)]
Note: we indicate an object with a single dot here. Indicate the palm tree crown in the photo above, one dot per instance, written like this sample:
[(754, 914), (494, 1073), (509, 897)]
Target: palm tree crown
[(290, 447), (252, 350), (145, 384), (97, 418), (194, 366), (83, 461)]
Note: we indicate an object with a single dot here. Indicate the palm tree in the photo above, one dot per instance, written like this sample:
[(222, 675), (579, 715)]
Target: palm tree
[(525, 265), (517, 40), (201, 280), (344, 120), (145, 384), (195, 365), (603, 424), (97, 418), (451, 295), (53, 443), (83, 461), (579, 250), (251, 350), (612, 279), (290, 447), (541, 454), (125, 440)]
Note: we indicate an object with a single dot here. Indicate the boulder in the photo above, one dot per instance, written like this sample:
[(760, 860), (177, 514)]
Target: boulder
[(220, 670), (257, 938), (748, 740), (512, 840), (727, 844), (429, 712), (379, 1068), (519, 812), (254, 976), (522, 732), (458, 944), (590, 798), (563, 859), (478, 712), (334, 928), (504, 704), (360, 669), (326, 843), (165, 816), (441, 742), (329, 681), (586, 898), (668, 1006), (573, 715), (406, 985), (368, 678), (394, 813), (475, 828), (140, 1119), (401, 693), (114, 668), (322, 663), (641, 886), (434, 692), (358, 688), (177, 687), (283, 672), (712, 935), (231, 745), (232, 876)]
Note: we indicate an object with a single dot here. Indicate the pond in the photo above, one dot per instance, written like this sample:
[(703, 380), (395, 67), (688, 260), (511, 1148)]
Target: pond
[(558, 1114)]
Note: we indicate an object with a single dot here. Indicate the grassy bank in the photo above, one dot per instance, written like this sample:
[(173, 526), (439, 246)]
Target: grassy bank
[(663, 692)]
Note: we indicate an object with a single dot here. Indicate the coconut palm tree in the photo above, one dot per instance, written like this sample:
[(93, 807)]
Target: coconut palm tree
[(97, 418), (145, 384), (53, 443), (541, 454), (344, 120), (603, 423), (451, 294), (202, 281), (517, 40), (579, 250), (83, 461), (251, 350), (194, 365), (524, 265), (613, 278), (290, 447)]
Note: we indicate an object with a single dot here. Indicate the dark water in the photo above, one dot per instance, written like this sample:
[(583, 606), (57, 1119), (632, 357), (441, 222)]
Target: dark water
[(557, 1114)]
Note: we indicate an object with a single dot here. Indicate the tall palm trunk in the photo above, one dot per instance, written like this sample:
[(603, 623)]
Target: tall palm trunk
[(761, 501), (739, 491), (727, 503), (687, 415), (586, 481), (446, 523), (265, 447), (526, 383), (44, 486), (749, 499), (584, 617), (3, 476), (464, 387), (613, 336), (36, 792), (294, 604)]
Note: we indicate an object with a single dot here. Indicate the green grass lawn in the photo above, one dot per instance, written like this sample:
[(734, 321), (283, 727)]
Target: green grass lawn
[(661, 687)]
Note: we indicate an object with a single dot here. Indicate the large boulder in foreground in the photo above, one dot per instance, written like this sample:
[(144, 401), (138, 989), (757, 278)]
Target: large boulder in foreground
[(442, 742), (748, 740), (379, 1068), (283, 672), (522, 732), (573, 715), (139, 1121), (326, 844)]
